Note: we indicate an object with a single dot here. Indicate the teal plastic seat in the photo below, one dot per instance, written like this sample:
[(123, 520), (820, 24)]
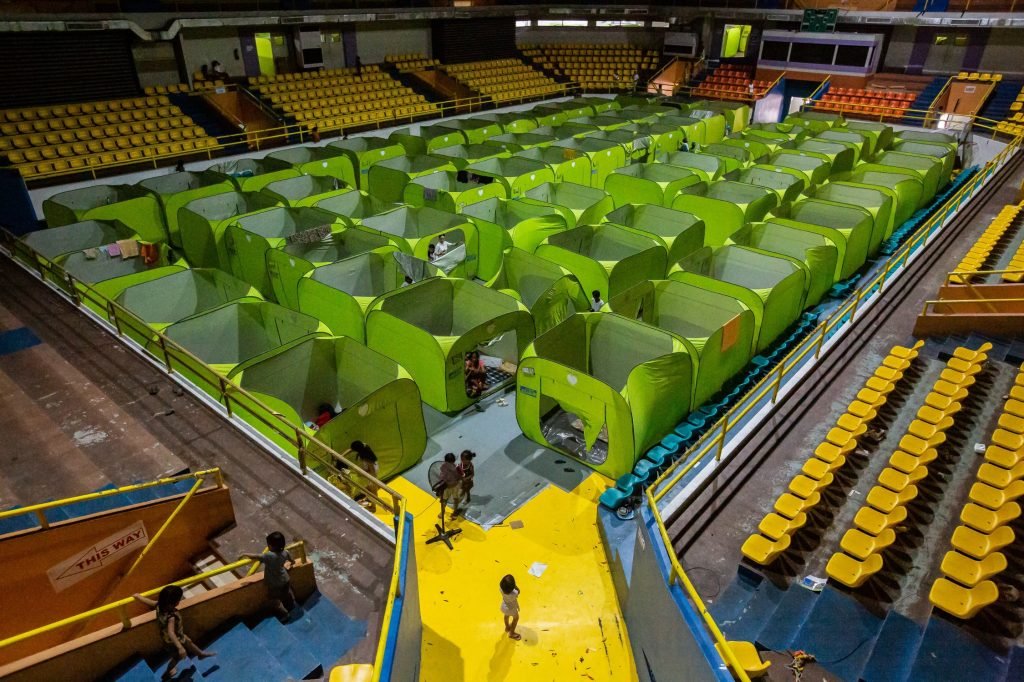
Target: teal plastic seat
[(613, 498)]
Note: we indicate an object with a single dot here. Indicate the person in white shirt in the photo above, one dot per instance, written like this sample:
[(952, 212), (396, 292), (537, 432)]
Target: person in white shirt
[(442, 246), (597, 303)]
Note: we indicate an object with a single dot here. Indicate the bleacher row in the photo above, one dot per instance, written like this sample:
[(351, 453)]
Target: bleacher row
[(182, 88), (415, 61), (65, 137), (1014, 124), (731, 81), (887, 104), (503, 79), (599, 67), (989, 245)]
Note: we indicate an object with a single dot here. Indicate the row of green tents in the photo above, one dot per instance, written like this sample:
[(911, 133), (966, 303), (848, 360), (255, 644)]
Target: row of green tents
[(704, 256)]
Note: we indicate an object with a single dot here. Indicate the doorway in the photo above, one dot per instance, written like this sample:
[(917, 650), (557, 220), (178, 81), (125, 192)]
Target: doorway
[(265, 54)]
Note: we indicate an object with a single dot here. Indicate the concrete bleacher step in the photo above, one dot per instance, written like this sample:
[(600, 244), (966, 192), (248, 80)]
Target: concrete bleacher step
[(240, 656), (211, 562), (787, 619), (894, 650), (133, 670), (728, 606), (291, 653), (840, 632), (752, 616), (325, 630), (947, 647)]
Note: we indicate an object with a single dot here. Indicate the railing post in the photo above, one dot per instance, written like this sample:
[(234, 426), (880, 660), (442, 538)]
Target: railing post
[(301, 452), (223, 384), (41, 517), (778, 381), (126, 622)]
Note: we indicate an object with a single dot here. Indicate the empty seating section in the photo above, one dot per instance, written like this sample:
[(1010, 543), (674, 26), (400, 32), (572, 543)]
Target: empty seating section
[(414, 61), (806, 490), (595, 67), (330, 99), (976, 76), (989, 245), (182, 88), (889, 105), (1014, 125), (503, 79), (730, 81), (974, 562), (885, 514), (56, 139)]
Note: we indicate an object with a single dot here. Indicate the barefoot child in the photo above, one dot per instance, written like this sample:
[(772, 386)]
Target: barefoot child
[(172, 631), (276, 562), (510, 605)]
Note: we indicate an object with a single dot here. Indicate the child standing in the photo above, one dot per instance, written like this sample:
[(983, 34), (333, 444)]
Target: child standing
[(466, 471), (510, 605), (276, 562), (172, 630)]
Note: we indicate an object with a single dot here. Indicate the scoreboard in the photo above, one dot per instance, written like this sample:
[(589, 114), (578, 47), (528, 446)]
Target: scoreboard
[(819, 20)]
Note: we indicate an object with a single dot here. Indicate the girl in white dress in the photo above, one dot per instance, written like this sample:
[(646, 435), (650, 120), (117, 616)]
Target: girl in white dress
[(510, 605)]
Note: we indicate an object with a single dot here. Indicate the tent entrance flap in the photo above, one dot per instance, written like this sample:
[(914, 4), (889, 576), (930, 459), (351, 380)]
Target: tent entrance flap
[(577, 425)]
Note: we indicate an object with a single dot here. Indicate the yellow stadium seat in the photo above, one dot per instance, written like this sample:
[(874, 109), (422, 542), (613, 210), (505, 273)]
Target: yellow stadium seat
[(994, 498), (985, 520), (774, 526), (746, 656), (763, 551), (980, 545), (874, 522), (791, 506), (885, 500), (962, 602), (850, 571)]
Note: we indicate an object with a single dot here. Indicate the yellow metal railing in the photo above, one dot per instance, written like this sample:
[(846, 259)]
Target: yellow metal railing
[(938, 97), (40, 509), (714, 439), (121, 606), (394, 591), (312, 454), (821, 86), (965, 301)]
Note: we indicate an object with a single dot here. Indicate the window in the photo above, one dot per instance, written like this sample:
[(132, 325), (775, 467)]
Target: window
[(775, 51), (618, 23), (523, 23), (660, 24), (812, 53), (852, 55), (568, 23)]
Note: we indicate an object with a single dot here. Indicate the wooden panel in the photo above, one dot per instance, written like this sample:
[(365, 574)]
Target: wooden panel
[(30, 599)]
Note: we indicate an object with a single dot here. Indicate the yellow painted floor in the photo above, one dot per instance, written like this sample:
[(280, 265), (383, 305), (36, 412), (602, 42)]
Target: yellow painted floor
[(571, 624)]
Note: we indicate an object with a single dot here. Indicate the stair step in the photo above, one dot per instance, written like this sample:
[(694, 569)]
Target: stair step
[(325, 630), (839, 629), (15, 523), (757, 611), (894, 650), (291, 653), (133, 670), (210, 562), (730, 604), (102, 504), (788, 617), (946, 648), (1015, 671), (240, 656)]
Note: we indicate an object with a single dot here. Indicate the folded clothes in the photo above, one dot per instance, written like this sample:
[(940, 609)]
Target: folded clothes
[(113, 250), (91, 254), (129, 248)]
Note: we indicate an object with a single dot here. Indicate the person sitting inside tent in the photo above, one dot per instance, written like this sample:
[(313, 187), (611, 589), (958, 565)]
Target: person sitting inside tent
[(476, 375), (432, 254), (442, 246), (325, 413), (597, 303), (361, 482)]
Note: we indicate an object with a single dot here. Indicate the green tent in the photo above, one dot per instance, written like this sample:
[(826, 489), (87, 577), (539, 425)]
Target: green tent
[(694, 130), (655, 183), (339, 293), (601, 122), (928, 168), (179, 294), (110, 275), (569, 130), (932, 137), (718, 327), (575, 108), (785, 182), (202, 223), (881, 134), (517, 142), (854, 223), (131, 205), (516, 174), (938, 151), (736, 115), (426, 139), (754, 201), (714, 125), (771, 285), (417, 228), (305, 190), (680, 233), (286, 265), (816, 121), (816, 168), (475, 130), (376, 400), (861, 142), (430, 326), (365, 151), (774, 141), (640, 111), (606, 257), (504, 223), (228, 335), (603, 389), (565, 164), (707, 166), (881, 203), (636, 144), (721, 217), (756, 152), (327, 161), (549, 291), (248, 239), (462, 155), (55, 244), (252, 175), (177, 189), (817, 251), (355, 205), (444, 191), (511, 121), (605, 156), (665, 137), (387, 179), (547, 115), (795, 132), (908, 186), (578, 204), (600, 105), (843, 157)]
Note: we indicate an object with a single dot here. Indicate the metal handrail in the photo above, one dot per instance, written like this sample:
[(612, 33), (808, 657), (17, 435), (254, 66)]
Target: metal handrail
[(394, 591), (40, 508), (299, 548), (935, 100), (963, 301)]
